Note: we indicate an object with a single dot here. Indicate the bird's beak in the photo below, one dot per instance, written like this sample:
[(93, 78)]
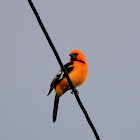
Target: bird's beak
[(73, 57)]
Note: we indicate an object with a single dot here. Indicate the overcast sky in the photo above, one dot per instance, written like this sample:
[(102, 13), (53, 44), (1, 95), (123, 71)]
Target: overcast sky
[(107, 32)]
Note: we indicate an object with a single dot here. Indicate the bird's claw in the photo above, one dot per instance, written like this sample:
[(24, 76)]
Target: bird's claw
[(75, 91)]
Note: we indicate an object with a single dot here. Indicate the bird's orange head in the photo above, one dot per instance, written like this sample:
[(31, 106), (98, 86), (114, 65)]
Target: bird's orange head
[(76, 55)]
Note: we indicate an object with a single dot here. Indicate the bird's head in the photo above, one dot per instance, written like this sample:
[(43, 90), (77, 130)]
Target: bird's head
[(76, 55)]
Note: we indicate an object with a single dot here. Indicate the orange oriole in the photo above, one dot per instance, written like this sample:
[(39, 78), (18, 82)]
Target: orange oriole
[(77, 70)]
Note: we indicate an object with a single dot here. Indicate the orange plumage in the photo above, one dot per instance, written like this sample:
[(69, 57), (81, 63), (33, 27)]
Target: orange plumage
[(77, 70)]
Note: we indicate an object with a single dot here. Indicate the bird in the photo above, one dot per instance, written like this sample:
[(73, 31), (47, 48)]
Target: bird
[(77, 69)]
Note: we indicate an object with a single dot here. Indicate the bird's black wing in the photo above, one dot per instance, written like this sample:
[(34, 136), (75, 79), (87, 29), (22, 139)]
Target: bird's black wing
[(60, 75)]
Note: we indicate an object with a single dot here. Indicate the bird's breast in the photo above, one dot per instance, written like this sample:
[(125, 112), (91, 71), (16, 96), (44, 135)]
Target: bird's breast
[(77, 75)]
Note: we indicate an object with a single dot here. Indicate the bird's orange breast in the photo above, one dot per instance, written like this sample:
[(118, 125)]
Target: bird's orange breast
[(77, 75)]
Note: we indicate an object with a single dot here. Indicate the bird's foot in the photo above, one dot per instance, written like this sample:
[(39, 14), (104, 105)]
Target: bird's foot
[(75, 91)]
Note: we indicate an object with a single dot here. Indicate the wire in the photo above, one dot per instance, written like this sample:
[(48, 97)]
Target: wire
[(74, 90)]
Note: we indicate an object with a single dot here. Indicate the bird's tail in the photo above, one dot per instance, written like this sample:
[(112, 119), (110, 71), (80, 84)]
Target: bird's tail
[(55, 108)]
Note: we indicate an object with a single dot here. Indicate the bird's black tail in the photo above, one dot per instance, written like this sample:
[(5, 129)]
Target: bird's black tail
[(55, 108)]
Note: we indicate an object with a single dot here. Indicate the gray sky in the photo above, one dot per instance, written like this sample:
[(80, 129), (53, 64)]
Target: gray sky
[(107, 32)]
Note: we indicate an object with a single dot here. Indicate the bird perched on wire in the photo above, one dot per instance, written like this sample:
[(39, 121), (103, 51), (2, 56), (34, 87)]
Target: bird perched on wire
[(77, 71)]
